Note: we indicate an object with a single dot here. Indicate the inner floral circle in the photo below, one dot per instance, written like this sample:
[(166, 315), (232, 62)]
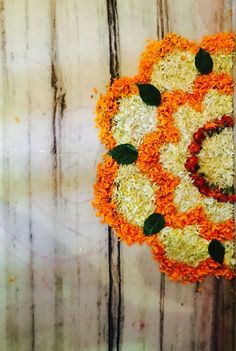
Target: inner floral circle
[(216, 159), (211, 164)]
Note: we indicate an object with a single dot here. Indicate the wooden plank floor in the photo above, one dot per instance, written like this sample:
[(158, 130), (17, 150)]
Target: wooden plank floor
[(66, 283)]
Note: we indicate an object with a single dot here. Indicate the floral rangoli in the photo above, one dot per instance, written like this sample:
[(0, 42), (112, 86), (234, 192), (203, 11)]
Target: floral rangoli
[(167, 177)]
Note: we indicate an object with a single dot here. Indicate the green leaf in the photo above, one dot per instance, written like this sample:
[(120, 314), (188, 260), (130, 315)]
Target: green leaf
[(153, 224), (203, 61), (149, 94), (228, 191), (219, 130), (124, 154), (210, 133), (225, 191), (217, 251)]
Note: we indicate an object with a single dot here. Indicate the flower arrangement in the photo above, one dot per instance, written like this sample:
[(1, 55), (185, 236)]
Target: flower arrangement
[(167, 178)]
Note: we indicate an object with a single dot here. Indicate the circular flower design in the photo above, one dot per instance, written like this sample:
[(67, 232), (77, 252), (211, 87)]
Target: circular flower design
[(212, 159), (176, 195)]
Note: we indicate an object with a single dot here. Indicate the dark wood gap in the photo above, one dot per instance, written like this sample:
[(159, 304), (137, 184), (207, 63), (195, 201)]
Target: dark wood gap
[(114, 247)]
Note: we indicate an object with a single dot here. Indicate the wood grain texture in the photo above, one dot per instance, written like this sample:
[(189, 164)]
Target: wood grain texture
[(66, 282), (114, 247)]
